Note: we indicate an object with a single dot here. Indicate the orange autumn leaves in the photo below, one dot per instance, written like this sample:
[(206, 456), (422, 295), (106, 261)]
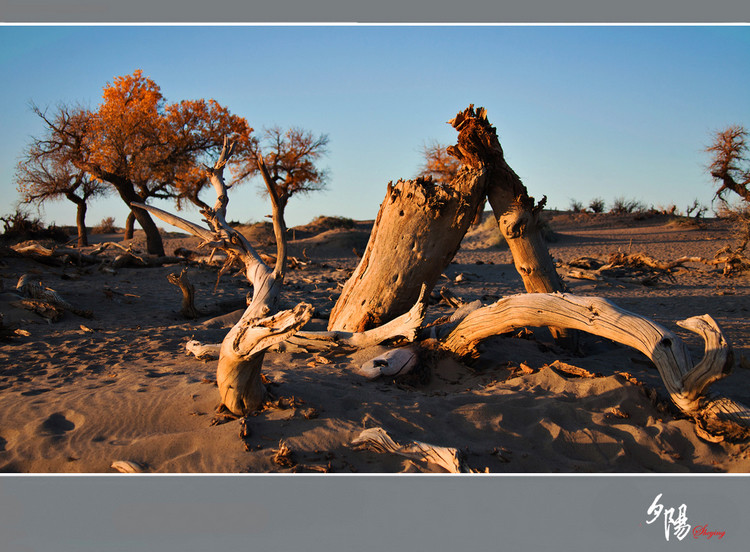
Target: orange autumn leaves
[(159, 147)]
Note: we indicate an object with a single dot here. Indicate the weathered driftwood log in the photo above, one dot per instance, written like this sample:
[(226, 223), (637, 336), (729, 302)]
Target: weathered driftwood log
[(46, 310), (378, 440), (59, 256), (127, 466), (396, 362), (687, 382), (55, 256), (203, 351), (417, 232), (405, 326), (37, 290), (181, 280), (733, 260)]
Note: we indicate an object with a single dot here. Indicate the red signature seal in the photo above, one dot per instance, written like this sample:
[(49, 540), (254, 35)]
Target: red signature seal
[(702, 531)]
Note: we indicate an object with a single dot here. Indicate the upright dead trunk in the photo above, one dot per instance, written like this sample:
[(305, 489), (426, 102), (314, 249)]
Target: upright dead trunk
[(420, 226), (129, 226), (516, 213), (417, 232), (242, 350), (83, 239), (514, 209), (154, 244)]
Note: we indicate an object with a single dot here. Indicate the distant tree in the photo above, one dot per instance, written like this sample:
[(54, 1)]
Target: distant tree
[(143, 147), (699, 209), (729, 163), (443, 167), (46, 177), (290, 159), (438, 163)]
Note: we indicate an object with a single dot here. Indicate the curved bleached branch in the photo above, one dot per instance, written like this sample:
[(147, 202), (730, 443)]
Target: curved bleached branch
[(179, 222), (686, 381), (407, 326)]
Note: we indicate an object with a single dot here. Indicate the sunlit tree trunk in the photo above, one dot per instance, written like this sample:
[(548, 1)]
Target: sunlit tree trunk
[(154, 244), (516, 212), (418, 230), (83, 239), (129, 226)]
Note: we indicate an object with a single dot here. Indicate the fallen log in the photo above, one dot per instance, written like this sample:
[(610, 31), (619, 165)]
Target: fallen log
[(405, 326), (687, 382), (46, 310), (36, 290)]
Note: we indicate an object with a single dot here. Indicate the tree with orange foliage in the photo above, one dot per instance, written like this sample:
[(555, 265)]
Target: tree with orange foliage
[(442, 167), (144, 147), (290, 162), (729, 150), (42, 178), (438, 163)]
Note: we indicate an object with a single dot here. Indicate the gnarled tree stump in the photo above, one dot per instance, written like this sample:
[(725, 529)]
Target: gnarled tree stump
[(242, 352), (516, 213)]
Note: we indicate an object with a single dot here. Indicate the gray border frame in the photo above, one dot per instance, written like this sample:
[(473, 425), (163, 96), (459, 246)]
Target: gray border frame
[(383, 11), (366, 513), (363, 513)]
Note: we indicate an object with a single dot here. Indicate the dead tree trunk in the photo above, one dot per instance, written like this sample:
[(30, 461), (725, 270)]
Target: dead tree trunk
[(129, 226), (180, 280), (83, 239), (420, 227), (516, 212), (514, 209), (417, 232), (242, 350)]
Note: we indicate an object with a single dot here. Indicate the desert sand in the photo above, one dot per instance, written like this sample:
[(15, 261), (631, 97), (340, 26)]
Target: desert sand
[(79, 394)]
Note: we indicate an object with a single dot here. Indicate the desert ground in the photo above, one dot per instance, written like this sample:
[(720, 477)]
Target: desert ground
[(80, 394)]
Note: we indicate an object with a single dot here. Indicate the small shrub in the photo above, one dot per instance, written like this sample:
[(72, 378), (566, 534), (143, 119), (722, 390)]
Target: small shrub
[(597, 205), (699, 209), (670, 210), (21, 226), (625, 206), (576, 206), (329, 223), (106, 226)]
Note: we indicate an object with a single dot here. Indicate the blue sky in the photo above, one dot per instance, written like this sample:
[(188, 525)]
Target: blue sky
[(581, 111)]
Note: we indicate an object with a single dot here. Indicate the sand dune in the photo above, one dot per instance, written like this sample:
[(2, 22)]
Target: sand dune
[(79, 394)]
